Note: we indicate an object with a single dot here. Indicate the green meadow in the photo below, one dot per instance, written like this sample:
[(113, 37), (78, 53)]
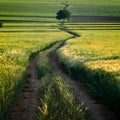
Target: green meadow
[(29, 26)]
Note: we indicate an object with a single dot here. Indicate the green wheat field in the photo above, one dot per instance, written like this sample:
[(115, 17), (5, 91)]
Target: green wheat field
[(28, 26)]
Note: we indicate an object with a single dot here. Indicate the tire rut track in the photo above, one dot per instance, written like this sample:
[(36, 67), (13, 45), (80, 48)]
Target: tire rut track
[(97, 111), (26, 105)]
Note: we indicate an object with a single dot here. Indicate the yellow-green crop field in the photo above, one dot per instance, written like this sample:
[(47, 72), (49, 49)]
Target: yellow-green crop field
[(95, 49), (93, 46), (94, 58), (27, 26), (15, 49)]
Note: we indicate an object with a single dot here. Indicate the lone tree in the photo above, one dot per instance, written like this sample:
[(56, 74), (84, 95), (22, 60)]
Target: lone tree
[(63, 15)]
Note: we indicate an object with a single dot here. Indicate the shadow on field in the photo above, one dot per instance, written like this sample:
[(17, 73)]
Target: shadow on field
[(26, 16), (94, 19), (11, 31), (0, 24), (25, 21), (72, 19)]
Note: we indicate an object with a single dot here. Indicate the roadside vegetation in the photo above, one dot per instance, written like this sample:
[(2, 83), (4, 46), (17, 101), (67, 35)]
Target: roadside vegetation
[(94, 59), (56, 100)]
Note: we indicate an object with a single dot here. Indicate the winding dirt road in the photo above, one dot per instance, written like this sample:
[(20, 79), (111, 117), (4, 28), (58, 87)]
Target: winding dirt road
[(97, 111), (26, 105)]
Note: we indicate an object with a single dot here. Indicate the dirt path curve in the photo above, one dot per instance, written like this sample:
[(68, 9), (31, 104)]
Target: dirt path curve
[(26, 105), (97, 111)]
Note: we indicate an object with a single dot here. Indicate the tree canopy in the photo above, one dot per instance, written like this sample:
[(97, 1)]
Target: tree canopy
[(63, 14)]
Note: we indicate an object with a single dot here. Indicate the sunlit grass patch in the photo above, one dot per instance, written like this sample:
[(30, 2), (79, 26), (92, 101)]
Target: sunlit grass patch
[(107, 65), (93, 45)]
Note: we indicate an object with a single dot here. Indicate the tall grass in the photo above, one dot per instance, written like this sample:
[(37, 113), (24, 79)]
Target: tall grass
[(56, 101), (94, 59)]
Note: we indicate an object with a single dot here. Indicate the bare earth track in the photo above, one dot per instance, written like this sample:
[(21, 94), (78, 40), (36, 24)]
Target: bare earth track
[(26, 105), (97, 111)]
